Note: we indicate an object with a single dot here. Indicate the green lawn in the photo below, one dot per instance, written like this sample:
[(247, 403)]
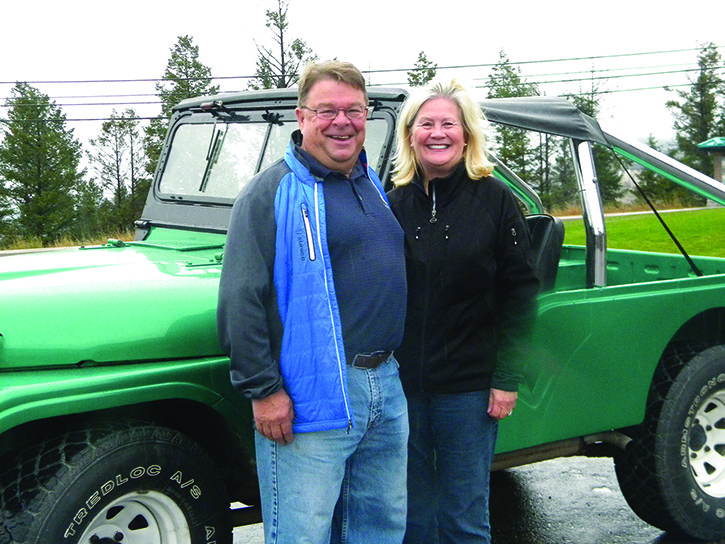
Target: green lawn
[(701, 232)]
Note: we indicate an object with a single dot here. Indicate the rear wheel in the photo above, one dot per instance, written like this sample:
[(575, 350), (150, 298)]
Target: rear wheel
[(136, 484), (673, 472)]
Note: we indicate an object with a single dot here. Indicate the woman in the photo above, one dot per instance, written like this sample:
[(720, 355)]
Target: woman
[(471, 304)]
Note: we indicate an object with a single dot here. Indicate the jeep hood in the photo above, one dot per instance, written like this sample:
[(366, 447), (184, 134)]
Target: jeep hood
[(110, 304)]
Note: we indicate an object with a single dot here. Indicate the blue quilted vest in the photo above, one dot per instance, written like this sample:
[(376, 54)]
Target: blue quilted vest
[(312, 358)]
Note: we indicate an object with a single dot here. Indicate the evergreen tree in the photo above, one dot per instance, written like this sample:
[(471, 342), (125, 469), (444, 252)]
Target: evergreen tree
[(657, 188), (6, 210), (39, 166), (660, 190), (512, 145), (185, 77), (698, 112), (5, 213), (139, 179), (280, 66), (563, 185), (423, 72), (505, 81), (117, 160), (89, 203), (546, 153), (153, 142)]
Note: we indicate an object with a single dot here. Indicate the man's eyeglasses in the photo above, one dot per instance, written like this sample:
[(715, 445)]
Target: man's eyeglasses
[(328, 114)]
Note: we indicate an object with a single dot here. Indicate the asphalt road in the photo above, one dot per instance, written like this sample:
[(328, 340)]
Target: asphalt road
[(564, 501), (575, 500)]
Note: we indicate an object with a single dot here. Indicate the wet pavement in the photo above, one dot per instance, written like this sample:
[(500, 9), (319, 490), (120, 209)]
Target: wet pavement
[(563, 501), (575, 500)]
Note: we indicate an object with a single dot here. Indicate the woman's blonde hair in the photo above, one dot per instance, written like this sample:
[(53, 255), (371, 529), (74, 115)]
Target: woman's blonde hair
[(472, 121)]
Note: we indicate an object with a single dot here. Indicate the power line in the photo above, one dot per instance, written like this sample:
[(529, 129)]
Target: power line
[(545, 61), (116, 81), (602, 92), (632, 71), (588, 75), (526, 76), (98, 119), (84, 104), (541, 79), (611, 77), (451, 67)]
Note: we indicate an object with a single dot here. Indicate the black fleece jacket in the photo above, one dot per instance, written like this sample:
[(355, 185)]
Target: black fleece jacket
[(472, 285)]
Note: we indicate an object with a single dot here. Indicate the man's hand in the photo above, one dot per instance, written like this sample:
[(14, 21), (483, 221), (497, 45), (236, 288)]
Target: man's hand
[(501, 403), (273, 417)]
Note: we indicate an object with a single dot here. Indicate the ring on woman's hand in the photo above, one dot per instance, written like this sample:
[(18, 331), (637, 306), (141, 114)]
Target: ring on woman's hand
[(511, 412)]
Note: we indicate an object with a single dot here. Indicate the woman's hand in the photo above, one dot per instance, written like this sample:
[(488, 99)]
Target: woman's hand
[(501, 403)]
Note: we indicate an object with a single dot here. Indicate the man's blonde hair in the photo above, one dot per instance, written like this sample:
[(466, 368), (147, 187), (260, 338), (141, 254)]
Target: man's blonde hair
[(472, 121), (342, 72)]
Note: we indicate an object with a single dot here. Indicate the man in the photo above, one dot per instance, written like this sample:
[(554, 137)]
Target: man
[(311, 306)]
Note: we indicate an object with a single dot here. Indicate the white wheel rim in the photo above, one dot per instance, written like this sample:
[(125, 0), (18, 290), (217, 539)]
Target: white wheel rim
[(706, 445), (139, 518)]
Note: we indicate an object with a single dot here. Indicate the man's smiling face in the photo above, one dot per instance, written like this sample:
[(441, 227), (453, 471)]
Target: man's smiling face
[(337, 142)]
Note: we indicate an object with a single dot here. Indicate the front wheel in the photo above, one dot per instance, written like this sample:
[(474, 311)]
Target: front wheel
[(673, 473), (133, 485)]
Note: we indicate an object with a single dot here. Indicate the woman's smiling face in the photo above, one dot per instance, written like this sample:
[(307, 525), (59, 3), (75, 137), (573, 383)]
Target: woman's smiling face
[(437, 137)]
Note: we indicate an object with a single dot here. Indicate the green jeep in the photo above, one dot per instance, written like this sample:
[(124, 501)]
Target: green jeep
[(118, 422)]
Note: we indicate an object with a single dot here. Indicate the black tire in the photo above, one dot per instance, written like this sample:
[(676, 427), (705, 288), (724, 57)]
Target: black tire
[(673, 472), (636, 474), (143, 483)]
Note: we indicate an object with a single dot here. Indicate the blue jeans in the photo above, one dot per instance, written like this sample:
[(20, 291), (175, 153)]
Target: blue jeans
[(357, 475), (451, 446)]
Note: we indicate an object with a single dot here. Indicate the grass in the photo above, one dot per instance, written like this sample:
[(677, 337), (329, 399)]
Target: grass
[(68, 241), (700, 231)]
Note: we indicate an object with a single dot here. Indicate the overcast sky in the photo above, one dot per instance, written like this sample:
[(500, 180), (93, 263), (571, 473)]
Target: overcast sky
[(81, 40)]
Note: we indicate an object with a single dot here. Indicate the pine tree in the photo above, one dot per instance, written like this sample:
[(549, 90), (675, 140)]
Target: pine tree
[(89, 205), (554, 187), (280, 66), (117, 160), (699, 113), (563, 185), (660, 190), (423, 72), (39, 166), (6, 211), (656, 187), (512, 145), (185, 77), (5, 214)]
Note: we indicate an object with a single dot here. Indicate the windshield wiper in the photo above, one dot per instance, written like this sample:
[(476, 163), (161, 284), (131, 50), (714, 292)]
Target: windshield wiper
[(212, 154)]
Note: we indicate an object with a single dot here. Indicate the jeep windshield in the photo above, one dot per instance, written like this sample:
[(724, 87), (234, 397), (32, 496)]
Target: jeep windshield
[(211, 156)]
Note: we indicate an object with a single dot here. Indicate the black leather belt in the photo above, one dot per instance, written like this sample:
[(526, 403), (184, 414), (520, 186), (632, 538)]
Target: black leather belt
[(368, 360)]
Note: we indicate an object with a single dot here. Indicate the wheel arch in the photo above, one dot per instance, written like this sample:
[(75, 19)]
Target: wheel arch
[(225, 443), (706, 327), (701, 331)]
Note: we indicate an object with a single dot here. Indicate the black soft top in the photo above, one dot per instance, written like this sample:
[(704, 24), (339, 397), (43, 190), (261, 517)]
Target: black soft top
[(552, 115)]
